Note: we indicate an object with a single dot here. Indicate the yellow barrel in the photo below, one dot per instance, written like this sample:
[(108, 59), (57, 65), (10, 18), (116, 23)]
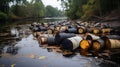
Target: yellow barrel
[(106, 30), (81, 30), (96, 31), (84, 44)]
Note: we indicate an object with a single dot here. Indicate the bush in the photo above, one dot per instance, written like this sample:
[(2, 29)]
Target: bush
[(3, 16)]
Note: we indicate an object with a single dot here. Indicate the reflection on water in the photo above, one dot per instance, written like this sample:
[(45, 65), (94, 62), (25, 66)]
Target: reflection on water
[(18, 48)]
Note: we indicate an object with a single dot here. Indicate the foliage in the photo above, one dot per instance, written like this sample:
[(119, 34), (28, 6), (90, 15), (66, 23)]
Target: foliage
[(52, 12), (76, 9), (3, 16)]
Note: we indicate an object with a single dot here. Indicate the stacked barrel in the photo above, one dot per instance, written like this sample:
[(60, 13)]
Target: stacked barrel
[(88, 38)]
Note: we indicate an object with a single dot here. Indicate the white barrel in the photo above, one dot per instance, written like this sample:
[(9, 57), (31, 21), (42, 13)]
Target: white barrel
[(94, 37), (75, 40), (114, 43), (71, 43)]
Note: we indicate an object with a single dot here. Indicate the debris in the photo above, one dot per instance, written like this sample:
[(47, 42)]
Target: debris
[(42, 57), (13, 65)]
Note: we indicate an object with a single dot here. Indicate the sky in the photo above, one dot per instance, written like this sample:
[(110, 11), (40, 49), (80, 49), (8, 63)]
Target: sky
[(54, 3)]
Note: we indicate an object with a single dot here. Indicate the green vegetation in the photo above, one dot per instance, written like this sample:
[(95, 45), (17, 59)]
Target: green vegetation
[(20, 9), (84, 9), (52, 12)]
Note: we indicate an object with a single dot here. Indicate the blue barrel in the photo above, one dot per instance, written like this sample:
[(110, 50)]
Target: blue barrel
[(72, 30)]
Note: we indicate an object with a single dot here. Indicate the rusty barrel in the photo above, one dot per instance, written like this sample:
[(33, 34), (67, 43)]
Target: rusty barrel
[(71, 43), (43, 39), (59, 37), (114, 43)]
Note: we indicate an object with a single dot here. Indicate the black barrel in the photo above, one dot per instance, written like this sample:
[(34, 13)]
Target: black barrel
[(71, 43), (51, 40), (113, 36), (72, 30), (42, 28), (59, 37)]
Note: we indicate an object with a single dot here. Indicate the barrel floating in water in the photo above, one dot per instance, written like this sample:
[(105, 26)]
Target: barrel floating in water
[(59, 37), (43, 38), (114, 43), (71, 43)]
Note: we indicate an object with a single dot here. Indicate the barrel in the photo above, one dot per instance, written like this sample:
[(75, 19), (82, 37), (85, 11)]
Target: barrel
[(85, 44), (101, 44), (81, 30), (71, 43), (72, 30), (42, 28), (92, 37), (57, 28), (114, 43), (106, 30), (96, 31), (113, 37), (59, 37), (63, 28), (50, 31), (43, 39), (51, 40)]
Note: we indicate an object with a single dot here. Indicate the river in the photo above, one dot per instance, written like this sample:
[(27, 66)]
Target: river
[(19, 48)]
